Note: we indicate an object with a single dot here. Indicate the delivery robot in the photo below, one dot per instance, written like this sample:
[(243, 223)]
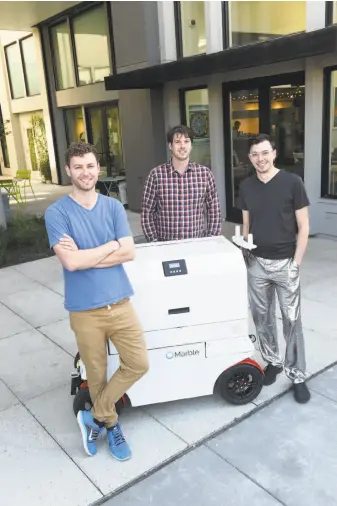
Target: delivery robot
[(191, 298)]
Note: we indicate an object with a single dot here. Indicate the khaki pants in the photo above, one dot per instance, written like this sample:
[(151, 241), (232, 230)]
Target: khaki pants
[(93, 328)]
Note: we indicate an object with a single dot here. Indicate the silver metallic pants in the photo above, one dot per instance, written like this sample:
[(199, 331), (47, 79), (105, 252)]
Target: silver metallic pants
[(265, 278)]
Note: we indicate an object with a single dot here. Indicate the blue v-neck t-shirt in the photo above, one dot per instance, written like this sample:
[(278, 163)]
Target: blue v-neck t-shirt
[(106, 221)]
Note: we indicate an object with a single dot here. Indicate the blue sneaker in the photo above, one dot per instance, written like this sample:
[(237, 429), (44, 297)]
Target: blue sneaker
[(119, 448), (90, 431)]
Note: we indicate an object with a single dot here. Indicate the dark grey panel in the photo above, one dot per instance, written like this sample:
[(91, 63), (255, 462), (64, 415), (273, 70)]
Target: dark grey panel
[(200, 478), (143, 134), (136, 34)]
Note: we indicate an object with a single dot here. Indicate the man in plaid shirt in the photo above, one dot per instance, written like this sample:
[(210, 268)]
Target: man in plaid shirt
[(180, 199)]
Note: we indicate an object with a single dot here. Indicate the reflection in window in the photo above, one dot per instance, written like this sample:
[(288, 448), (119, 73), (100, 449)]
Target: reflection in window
[(287, 126), (114, 139), (62, 56), (197, 118), (30, 64), (15, 72), (92, 46), (332, 188), (193, 28), (245, 124), (75, 125), (260, 20)]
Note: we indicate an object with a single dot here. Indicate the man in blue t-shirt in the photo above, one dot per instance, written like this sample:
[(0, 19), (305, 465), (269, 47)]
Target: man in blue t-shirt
[(91, 237)]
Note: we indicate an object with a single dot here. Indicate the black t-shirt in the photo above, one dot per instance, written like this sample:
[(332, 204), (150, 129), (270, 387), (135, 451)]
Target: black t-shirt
[(272, 209)]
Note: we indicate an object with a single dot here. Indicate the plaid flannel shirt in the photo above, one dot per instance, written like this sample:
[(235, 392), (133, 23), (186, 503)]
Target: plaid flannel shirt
[(180, 206)]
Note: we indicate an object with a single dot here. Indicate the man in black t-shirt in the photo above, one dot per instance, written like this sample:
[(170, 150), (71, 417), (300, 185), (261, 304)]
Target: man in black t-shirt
[(274, 206)]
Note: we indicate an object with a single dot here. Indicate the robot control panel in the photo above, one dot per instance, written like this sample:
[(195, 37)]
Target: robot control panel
[(174, 268)]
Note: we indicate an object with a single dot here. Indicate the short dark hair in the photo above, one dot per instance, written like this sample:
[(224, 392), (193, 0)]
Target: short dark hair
[(257, 139), (80, 149), (180, 130)]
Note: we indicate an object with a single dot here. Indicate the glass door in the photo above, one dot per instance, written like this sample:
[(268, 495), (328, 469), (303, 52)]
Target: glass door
[(273, 105), (287, 127), (97, 136), (104, 132)]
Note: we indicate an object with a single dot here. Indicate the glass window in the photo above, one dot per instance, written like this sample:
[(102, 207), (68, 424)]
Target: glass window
[(63, 59), (287, 126), (75, 125), (197, 118), (193, 28), (245, 123), (261, 20), (15, 72), (92, 45), (114, 139), (30, 64), (332, 181)]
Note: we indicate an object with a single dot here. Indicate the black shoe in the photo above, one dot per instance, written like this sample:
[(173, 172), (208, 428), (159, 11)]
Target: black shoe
[(270, 373), (301, 393)]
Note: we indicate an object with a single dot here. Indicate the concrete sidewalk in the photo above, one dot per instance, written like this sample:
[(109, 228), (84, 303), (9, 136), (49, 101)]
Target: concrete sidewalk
[(42, 458), (282, 455)]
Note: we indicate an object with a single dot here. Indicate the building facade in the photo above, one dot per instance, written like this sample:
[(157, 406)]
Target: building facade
[(119, 74)]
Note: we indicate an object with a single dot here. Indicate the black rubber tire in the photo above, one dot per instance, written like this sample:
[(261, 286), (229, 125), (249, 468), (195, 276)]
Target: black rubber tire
[(82, 402), (241, 384)]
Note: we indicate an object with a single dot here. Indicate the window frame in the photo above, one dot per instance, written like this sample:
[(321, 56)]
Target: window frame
[(263, 85), (182, 100), (227, 28), (24, 67), (179, 32), (9, 73), (225, 25), (329, 7), (69, 18), (326, 133), (65, 109)]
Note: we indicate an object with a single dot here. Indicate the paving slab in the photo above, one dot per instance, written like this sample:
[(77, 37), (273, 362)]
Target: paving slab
[(34, 469), (7, 399), (12, 281), (325, 383), (38, 306), (11, 323), (200, 478), (150, 441), (195, 419), (56, 286), (44, 271), (31, 365), (288, 449), (61, 333), (323, 290), (321, 350)]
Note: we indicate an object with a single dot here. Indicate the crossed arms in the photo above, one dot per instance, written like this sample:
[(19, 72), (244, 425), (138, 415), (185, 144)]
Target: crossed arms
[(108, 255)]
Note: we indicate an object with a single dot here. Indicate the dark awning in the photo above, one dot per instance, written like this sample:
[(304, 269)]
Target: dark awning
[(290, 47)]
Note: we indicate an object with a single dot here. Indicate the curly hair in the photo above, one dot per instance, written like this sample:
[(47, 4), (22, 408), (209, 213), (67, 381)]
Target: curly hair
[(80, 149)]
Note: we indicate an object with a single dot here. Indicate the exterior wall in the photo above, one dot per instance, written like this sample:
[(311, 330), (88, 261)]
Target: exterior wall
[(143, 138), (323, 212), (15, 109), (142, 50)]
